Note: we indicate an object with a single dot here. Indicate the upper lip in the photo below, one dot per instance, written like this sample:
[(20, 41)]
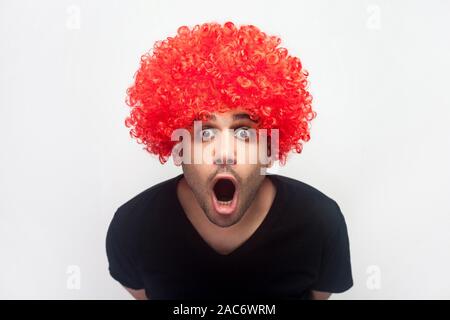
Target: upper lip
[(225, 176)]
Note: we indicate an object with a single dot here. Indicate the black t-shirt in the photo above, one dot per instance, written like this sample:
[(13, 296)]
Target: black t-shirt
[(301, 245)]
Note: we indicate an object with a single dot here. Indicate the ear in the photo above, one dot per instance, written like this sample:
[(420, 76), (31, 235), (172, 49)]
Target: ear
[(264, 167), (177, 155), (270, 162)]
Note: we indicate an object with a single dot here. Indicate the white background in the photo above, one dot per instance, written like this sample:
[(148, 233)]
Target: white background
[(379, 73)]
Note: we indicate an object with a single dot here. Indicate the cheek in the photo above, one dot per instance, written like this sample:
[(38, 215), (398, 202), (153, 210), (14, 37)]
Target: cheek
[(247, 153), (195, 153), (252, 154), (208, 151), (197, 175), (248, 174)]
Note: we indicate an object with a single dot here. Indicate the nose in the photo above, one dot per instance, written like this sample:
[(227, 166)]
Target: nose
[(225, 149)]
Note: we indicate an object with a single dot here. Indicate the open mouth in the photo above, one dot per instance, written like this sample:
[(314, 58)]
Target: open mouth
[(224, 190), (225, 194)]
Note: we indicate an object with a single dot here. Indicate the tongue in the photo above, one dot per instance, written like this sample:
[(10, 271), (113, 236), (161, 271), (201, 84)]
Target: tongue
[(224, 190)]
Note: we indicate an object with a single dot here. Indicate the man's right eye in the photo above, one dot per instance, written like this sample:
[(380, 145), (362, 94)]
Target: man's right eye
[(207, 134)]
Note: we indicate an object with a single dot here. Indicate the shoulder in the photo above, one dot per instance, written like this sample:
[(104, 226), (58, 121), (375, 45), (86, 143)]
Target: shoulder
[(307, 204), (127, 222), (124, 235), (142, 203)]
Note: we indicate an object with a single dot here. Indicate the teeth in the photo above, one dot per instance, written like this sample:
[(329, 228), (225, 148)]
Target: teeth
[(224, 203)]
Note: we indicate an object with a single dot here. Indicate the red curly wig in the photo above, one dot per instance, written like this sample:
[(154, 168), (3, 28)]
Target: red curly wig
[(215, 68)]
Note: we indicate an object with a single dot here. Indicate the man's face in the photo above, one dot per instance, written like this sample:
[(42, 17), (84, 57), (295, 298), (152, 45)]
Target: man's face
[(227, 180)]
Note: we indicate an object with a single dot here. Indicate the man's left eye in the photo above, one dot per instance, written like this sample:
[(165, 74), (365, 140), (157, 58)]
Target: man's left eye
[(242, 133)]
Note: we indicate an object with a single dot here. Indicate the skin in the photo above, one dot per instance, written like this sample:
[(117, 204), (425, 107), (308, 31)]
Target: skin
[(197, 180), (225, 233)]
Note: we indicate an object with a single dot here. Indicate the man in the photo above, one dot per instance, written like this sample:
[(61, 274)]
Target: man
[(224, 228)]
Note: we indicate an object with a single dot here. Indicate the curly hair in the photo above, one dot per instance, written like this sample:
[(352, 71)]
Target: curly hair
[(215, 68)]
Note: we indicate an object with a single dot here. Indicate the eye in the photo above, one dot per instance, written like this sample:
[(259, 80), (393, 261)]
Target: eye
[(243, 133), (207, 134)]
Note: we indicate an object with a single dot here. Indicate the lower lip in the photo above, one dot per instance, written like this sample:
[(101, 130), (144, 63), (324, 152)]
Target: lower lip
[(225, 209)]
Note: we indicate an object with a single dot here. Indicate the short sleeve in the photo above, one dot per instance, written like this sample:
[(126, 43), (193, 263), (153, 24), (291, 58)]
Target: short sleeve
[(121, 252), (335, 274)]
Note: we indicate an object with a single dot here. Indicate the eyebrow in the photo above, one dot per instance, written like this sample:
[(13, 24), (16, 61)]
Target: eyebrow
[(237, 116)]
